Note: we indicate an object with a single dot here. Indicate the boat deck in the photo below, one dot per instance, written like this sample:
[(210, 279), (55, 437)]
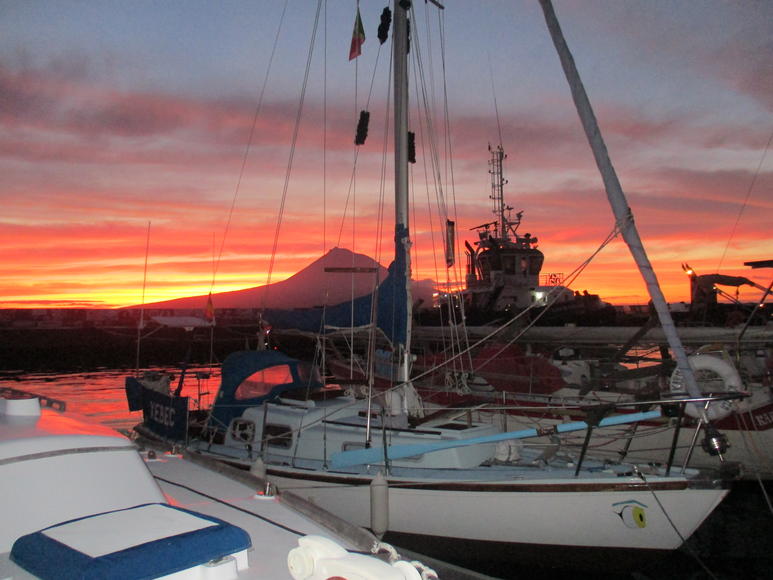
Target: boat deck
[(69, 480), (530, 469), (192, 486)]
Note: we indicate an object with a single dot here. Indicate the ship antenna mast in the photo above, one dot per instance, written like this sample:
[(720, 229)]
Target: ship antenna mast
[(503, 224)]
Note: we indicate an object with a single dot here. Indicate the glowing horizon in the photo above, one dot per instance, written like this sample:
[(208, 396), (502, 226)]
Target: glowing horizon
[(115, 117)]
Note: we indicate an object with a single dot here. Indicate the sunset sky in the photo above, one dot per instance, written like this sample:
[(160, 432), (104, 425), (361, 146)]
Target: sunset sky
[(115, 115)]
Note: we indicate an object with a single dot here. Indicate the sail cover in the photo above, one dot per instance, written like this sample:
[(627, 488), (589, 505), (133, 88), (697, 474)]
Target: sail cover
[(391, 311)]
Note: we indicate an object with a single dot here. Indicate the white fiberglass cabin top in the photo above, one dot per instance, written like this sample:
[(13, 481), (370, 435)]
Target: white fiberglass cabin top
[(77, 500)]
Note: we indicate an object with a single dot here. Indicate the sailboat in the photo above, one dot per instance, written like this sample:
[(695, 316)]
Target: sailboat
[(446, 481), (549, 375)]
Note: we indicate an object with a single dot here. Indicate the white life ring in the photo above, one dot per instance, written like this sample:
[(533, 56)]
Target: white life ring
[(731, 381)]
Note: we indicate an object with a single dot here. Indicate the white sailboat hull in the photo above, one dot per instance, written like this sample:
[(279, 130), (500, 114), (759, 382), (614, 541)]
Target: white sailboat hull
[(622, 514)]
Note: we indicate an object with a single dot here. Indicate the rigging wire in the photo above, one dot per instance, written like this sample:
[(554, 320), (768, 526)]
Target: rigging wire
[(294, 142), (687, 547), (324, 141), (353, 189), (228, 504), (485, 339), (141, 325), (554, 291), (350, 199), (256, 115), (747, 433), (746, 200), (457, 272), (356, 155), (496, 106), (424, 99)]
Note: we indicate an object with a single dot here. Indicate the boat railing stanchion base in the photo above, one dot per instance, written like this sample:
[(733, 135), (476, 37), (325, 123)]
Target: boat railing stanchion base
[(593, 417), (668, 411)]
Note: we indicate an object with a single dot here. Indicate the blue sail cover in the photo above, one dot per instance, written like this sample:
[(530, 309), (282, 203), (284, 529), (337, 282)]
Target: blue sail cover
[(393, 293), (311, 319), (240, 366), (391, 313)]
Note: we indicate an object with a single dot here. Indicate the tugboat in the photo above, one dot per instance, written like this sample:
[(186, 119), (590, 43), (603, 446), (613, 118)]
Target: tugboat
[(503, 275), (503, 271)]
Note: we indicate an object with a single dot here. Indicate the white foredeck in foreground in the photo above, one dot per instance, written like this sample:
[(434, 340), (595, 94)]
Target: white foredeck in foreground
[(77, 500)]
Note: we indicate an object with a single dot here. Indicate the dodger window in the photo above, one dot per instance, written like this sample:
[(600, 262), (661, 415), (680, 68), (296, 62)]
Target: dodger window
[(260, 383)]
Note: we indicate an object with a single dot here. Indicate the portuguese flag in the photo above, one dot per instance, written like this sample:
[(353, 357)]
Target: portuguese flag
[(358, 37)]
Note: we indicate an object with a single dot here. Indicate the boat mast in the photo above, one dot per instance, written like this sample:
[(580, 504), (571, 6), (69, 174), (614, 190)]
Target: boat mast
[(400, 41), (617, 200), (497, 193)]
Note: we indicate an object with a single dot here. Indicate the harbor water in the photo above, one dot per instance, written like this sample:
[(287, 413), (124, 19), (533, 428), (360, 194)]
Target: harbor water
[(735, 542)]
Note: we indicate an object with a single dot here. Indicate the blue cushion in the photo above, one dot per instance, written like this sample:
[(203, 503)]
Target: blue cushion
[(168, 552)]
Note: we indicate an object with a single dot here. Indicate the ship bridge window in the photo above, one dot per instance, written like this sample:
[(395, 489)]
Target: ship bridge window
[(508, 264), (261, 383)]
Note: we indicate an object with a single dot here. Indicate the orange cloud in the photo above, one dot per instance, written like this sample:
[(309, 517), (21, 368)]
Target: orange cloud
[(86, 166)]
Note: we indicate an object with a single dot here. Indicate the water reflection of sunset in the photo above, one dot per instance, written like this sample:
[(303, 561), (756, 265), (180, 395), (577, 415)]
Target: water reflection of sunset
[(101, 395)]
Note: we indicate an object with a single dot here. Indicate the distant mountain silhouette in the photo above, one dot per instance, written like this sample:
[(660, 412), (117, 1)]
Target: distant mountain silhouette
[(304, 289)]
